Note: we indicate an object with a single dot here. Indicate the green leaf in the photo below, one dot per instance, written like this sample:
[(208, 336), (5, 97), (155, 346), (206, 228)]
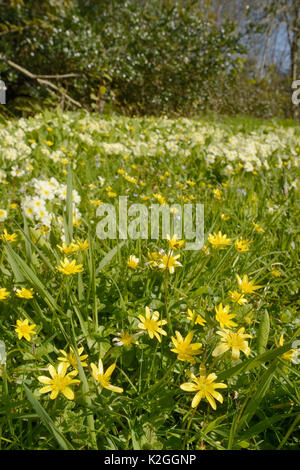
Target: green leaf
[(69, 208), (47, 421), (23, 272), (256, 398), (263, 333)]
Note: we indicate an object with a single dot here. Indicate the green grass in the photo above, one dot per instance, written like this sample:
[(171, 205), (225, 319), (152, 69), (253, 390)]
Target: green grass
[(85, 153)]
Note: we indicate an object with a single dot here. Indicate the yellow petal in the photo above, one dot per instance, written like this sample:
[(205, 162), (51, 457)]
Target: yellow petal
[(197, 398), (68, 393)]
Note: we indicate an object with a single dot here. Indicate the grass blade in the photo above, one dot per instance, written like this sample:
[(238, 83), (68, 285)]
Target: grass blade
[(47, 421)]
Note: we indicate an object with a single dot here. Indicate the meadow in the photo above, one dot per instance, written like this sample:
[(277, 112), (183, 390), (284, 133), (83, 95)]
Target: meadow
[(141, 344)]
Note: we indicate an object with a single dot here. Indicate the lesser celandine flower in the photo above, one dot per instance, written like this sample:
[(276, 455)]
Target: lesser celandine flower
[(96, 202), (152, 324), (82, 244), (246, 286), (168, 261), (3, 293), (60, 381), (104, 377), (69, 267), (24, 329), (198, 319), (242, 245), (217, 194), (236, 341), (70, 358), (205, 388), (237, 297), (219, 241), (6, 237), (291, 355), (174, 243), (124, 339), (133, 261), (154, 258), (68, 249), (184, 348), (276, 272), (258, 228), (25, 293), (224, 317), (3, 215), (160, 199)]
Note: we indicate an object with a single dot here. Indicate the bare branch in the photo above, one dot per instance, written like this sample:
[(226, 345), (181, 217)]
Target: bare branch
[(41, 81)]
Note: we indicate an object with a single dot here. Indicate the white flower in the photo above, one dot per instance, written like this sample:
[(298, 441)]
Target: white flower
[(248, 167)]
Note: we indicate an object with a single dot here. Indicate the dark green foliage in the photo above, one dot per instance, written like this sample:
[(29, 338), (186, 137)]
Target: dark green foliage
[(143, 58)]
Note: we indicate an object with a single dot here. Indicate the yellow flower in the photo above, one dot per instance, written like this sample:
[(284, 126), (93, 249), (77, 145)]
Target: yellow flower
[(70, 358), (168, 261), (6, 237), (225, 217), (236, 297), (242, 245), (291, 355), (160, 199), (246, 286), (131, 179), (133, 261), (69, 267), (152, 324), (223, 316), (174, 243), (205, 388), (184, 348), (82, 245), (3, 214), (25, 293), (258, 228), (76, 222), (198, 321), (24, 329), (154, 259), (276, 272), (96, 202), (68, 249), (232, 340), (104, 377), (219, 241), (3, 293), (124, 339), (217, 194), (60, 381)]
